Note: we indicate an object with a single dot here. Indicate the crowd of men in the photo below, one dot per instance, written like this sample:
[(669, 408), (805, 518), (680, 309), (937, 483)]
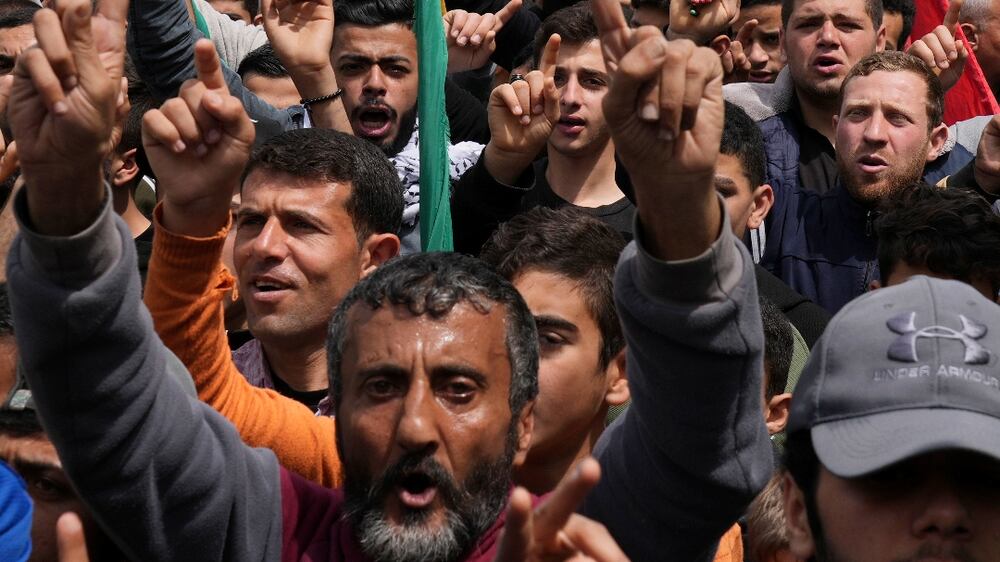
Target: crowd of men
[(725, 283)]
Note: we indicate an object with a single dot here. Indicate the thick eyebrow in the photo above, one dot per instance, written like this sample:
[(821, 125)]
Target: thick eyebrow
[(33, 467), (301, 214), (555, 323), (350, 57), (725, 183), (446, 369), (594, 72)]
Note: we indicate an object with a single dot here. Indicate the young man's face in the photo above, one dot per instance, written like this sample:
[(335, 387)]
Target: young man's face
[(424, 427), (296, 254), (882, 134), (893, 22), (572, 383), (746, 205), (764, 48), (583, 82), (823, 40), (377, 69), (939, 506)]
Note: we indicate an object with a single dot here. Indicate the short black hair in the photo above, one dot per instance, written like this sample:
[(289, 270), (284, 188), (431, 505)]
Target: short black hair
[(574, 245), (16, 14), (372, 13), (432, 284), (742, 138), (252, 7), (953, 232), (262, 61), (906, 9), (376, 201), (575, 26), (141, 100), (872, 7), (20, 423), (778, 344)]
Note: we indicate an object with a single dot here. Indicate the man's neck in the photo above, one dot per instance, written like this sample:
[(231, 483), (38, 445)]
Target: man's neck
[(541, 476), (818, 115), (301, 365), (125, 208), (585, 180)]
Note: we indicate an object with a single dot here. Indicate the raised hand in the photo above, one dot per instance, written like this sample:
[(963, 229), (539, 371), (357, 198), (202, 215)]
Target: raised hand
[(553, 531), (987, 166), (301, 32), (669, 144), (198, 144), (712, 19), (941, 50), (522, 116), (735, 63), (62, 110), (471, 37)]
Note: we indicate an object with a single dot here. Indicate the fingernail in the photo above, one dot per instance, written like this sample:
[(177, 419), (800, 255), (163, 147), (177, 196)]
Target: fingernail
[(213, 136), (60, 108), (179, 146), (526, 120), (538, 109), (666, 135), (517, 111), (476, 39), (943, 64), (462, 41), (650, 112), (200, 150)]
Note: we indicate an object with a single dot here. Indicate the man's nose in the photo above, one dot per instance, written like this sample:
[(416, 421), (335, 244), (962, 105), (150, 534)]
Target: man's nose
[(828, 34), (375, 84), (758, 56), (417, 429), (271, 241), (944, 514)]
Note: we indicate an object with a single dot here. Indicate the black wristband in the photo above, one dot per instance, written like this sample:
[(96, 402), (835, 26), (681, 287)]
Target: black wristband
[(306, 103)]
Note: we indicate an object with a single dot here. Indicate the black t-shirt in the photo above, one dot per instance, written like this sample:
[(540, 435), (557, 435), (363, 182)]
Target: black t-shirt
[(311, 398), (817, 157), (618, 215), (144, 250)]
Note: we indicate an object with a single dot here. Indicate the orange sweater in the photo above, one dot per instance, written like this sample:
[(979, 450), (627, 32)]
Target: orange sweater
[(730, 546), (184, 291)]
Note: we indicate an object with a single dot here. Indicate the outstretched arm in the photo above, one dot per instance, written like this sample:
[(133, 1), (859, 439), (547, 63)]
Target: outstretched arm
[(143, 455)]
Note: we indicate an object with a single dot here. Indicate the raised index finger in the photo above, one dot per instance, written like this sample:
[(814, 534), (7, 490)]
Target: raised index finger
[(550, 55), (612, 27), (206, 61), (552, 515), (951, 16), (744, 34), (507, 12)]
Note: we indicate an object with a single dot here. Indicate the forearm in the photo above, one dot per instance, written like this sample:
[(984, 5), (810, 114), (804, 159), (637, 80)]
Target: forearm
[(184, 293), (329, 114), (692, 450), (694, 222), (141, 453), (507, 166)]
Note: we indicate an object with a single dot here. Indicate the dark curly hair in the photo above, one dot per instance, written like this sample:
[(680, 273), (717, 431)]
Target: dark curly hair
[(953, 232)]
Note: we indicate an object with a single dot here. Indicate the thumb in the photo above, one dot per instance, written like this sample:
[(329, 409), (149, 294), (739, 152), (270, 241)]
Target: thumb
[(231, 115), (70, 540)]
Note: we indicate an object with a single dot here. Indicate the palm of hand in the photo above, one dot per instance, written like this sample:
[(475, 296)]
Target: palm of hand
[(509, 134), (302, 32)]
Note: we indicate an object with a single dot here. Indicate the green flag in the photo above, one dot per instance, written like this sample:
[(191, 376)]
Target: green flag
[(435, 185)]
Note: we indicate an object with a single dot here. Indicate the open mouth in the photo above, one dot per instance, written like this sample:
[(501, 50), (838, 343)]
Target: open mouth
[(417, 490), (268, 289), (374, 121), (827, 64), (571, 124), (872, 164), (761, 76)]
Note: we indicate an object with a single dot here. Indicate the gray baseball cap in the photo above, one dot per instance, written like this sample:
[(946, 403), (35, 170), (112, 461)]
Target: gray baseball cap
[(903, 371)]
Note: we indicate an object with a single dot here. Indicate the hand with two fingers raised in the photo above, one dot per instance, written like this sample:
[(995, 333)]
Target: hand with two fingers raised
[(198, 144), (522, 116)]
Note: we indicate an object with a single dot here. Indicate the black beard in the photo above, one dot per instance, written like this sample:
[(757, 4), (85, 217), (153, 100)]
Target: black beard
[(470, 509), (407, 122)]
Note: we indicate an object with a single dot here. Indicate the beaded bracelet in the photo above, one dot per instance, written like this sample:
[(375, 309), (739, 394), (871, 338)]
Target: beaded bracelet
[(306, 103)]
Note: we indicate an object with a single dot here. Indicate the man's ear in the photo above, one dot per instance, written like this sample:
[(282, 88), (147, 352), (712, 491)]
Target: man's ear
[(720, 44), (618, 392), (875, 285), (376, 250), (777, 413), (763, 200), (128, 170), (939, 136), (258, 19), (525, 429), (880, 39), (971, 31), (800, 539)]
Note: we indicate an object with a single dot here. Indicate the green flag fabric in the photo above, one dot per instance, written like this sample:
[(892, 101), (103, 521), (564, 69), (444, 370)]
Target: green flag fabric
[(435, 186)]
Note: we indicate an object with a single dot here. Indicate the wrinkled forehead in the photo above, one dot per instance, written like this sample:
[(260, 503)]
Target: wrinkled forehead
[(13, 40), (900, 89), (375, 42), (830, 8), (581, 56)]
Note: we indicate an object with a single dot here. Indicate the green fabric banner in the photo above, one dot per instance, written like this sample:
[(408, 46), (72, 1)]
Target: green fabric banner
[(435, 185)]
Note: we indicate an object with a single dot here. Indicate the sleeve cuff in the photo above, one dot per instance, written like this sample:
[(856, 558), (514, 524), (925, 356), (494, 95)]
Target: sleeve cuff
[(709, 277), (187, 261), (71, 261)]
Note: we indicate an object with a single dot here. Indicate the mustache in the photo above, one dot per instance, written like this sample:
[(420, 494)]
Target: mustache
[(941, 552), (414, 465), (374, 103)]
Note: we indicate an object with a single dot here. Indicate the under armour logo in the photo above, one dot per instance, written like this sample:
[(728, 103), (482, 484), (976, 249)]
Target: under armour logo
[(905, 346)]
